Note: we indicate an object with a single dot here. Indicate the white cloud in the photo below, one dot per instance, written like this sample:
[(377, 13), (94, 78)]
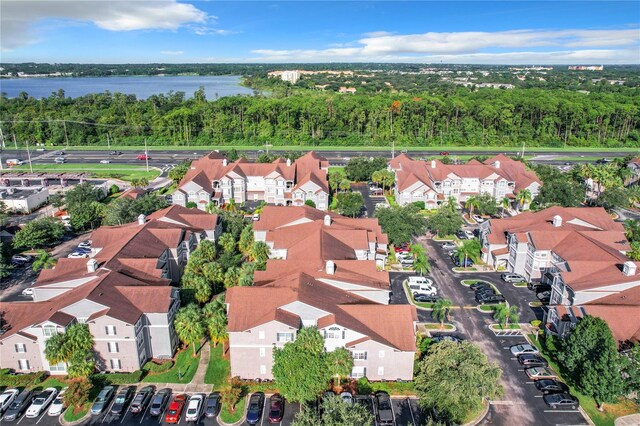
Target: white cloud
[(521, 46), (19, 17), (172, 52)]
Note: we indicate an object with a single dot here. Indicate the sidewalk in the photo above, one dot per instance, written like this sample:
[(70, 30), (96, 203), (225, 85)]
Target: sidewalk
[(197, 384)]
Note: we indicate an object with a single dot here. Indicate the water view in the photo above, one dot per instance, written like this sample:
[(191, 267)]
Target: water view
[(142, 87)]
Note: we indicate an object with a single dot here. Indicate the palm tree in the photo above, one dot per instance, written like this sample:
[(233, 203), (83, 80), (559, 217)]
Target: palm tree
[(212, 208), (260, 252), (523, 197), (632, 229), (43, 261), (470, 204), (345, 185), (188, 325), (451, 204), (73, 347), (231, 206), (215, 313), (421, 264), (441, 310), (504, 314), (470, 249), (417, 250), (505, 203), (227, 242)]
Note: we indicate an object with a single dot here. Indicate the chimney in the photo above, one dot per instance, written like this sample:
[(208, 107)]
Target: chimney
[(327, 220), (142, 219), (628, 269), (225, 162), (433, 164), (557, 221), (330, 267), (92, 266), (497, 164), (288, 162)]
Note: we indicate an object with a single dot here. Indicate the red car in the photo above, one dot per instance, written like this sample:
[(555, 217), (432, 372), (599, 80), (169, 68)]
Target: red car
[(144, 157), (444, 153), (401, 248), (175, 409), (276, 409)]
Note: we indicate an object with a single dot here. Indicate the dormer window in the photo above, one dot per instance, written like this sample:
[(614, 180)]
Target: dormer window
[(216, 184)]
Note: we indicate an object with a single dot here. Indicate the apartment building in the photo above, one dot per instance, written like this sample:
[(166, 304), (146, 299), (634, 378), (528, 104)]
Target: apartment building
[(322, 273), (213, 179), (579, 252), (123, 292), (433, 182)]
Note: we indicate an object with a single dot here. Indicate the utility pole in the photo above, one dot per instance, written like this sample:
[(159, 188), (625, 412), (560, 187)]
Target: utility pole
[(108, 142), (28, 155), (15, 142), (66, 137), (146, 154), (1, 138)]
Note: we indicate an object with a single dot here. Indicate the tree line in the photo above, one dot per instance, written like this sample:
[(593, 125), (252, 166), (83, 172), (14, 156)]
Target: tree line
[(460, 116)]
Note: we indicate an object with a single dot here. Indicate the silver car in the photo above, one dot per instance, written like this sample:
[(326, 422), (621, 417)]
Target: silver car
[(102, 400)]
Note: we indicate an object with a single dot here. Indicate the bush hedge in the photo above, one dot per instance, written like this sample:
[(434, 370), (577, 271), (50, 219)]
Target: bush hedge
[(21, 380), (118, 378), (154, 367)]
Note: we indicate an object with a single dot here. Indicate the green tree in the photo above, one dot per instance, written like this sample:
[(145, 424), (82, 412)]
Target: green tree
[(631, 371), (335, 177), (335, 412), (231, 276), (84, 207), (590, 356), (246, 239), (613, 197), (385, 178), (505, 314), (310, 203), (300, 368), (360, 169), (227, 242), (504, 204), (401, 223), (73, 347), (470, 204), (5, 265), (177, 173), (77, 393), (445, 222), (39, 233), (486, 204), (231, 394), (470, 249), (43, 261), (421, 264), (215, 319), (455, 378), (340, 363), (350, 203), (345, 185), (523, 197), (57, 200), (260, 252), (441, 310), (188, 326)]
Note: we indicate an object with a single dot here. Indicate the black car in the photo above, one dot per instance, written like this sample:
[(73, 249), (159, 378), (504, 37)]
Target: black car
[(254, 412), (544, 296), (212, 405), (485, 292), (538, 287), (532, 360), (480, 285), (122, 400), (445, 338), (385, 411), (494, 298), (461, 235), (159, 401), (141, 400), (425, 298), (18, 406), (549, 386), (115, 153), (561, 400)]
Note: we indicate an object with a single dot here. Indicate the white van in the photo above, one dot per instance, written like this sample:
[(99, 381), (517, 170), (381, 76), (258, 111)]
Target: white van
[(14, 162), (421, 285)]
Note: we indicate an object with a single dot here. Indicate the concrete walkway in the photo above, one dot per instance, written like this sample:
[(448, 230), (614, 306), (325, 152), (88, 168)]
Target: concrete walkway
[(631, 420), (197, 384)]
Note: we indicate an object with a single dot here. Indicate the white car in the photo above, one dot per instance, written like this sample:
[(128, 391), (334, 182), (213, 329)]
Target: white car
[(78, 255), (523, 348), (194, 409), (104, 161), (27, 291), (85, 244), (403, 255), (6, 398), (57, 406), (41, 401), (426, 290), (477, 218), (347, 398), (449, 246), (256, 217), (21, 258), (469, 234)]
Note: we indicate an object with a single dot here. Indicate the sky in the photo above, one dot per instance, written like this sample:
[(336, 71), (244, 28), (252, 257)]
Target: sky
[(176, 31)]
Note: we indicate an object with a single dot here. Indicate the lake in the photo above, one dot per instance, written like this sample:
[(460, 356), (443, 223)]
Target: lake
[(142, 87)]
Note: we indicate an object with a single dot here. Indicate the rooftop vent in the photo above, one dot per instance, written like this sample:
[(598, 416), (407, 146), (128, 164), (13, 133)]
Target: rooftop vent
[(288, 162), (557, 221), (496, 164), (433, 164), (327, 220), (225, 162), (142, 219), (330, 267), (629, 268), (92, 266)]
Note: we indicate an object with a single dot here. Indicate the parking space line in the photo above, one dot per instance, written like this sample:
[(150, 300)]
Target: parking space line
[(413, 419), (44, 413), (263, 411), (23, 416), (561, 411), (146, 410), (113, 401), (165, 410), (538, 396), (124, 416)]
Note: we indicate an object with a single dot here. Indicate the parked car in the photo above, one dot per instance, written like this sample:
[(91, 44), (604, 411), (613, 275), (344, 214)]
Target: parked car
[(485, 292), (544, 296), (102, 400), (532, 360), (27, 291), (105, 161), (254, 412), (406, 262), (466, 263), (548, 386), (446, 338), (347, 398), (159, 401), (478, 218), (25, 258), (402, 255), (461, 235), (123, 398), (490, 299), (18, 406), (276, 408), (538, 287), (537, 373), (385, 411), (256, 217), (561, 400), (6, 398), (469, 234), (41, 401), (512, 278), (425, 298), (175, 409), (142, 399), (480, 285), (57, 406), (85, 245), (78, 255), (449, 245), (401, 247), (212, 405), (523, 348), (195, 407)]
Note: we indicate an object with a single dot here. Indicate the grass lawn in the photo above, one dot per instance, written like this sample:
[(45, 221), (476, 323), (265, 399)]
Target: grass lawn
[(339, 169), (470, 269), (185, 365), (391, 200), (611, 411), (434, 326), (227, 417), (52, 382), (218, 369), (70, 416), (501, 327), (424, 305), (489, 308), (115, 171), (445, 238), (393, 388), (520, 284)]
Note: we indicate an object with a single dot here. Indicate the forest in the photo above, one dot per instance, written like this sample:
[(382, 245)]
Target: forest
[(449, 116)]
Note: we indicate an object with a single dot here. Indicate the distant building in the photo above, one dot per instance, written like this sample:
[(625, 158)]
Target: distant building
[(134, 193), (24, 199), (586, 67), (290, 76), (350, 90)]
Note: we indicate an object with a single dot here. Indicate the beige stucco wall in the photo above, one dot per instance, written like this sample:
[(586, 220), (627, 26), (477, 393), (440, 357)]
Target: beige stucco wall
[(396, 364), (126, 339), (9, 357)]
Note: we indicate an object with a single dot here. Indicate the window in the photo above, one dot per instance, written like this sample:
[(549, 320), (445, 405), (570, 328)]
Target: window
[(263, 352), (21, 348), (284, 337), (381, 354), (58, 367), (334, 333), (261, 335), (358, 372), (263, 369), (361, 355), (23, 364), (113, 347), (110, 330), (380, 371), (49, 330), (115, 364)]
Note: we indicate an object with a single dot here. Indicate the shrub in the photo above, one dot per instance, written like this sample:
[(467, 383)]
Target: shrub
[(310, 203), (121, 378), (21, 380), (191, 205), (536, 323), (78, 392), (419, 204), (114, 189), (161, 367)]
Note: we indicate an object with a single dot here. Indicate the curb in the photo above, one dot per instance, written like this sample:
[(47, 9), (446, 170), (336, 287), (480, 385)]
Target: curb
[(63, 422), (481, 416), (242, 419)]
